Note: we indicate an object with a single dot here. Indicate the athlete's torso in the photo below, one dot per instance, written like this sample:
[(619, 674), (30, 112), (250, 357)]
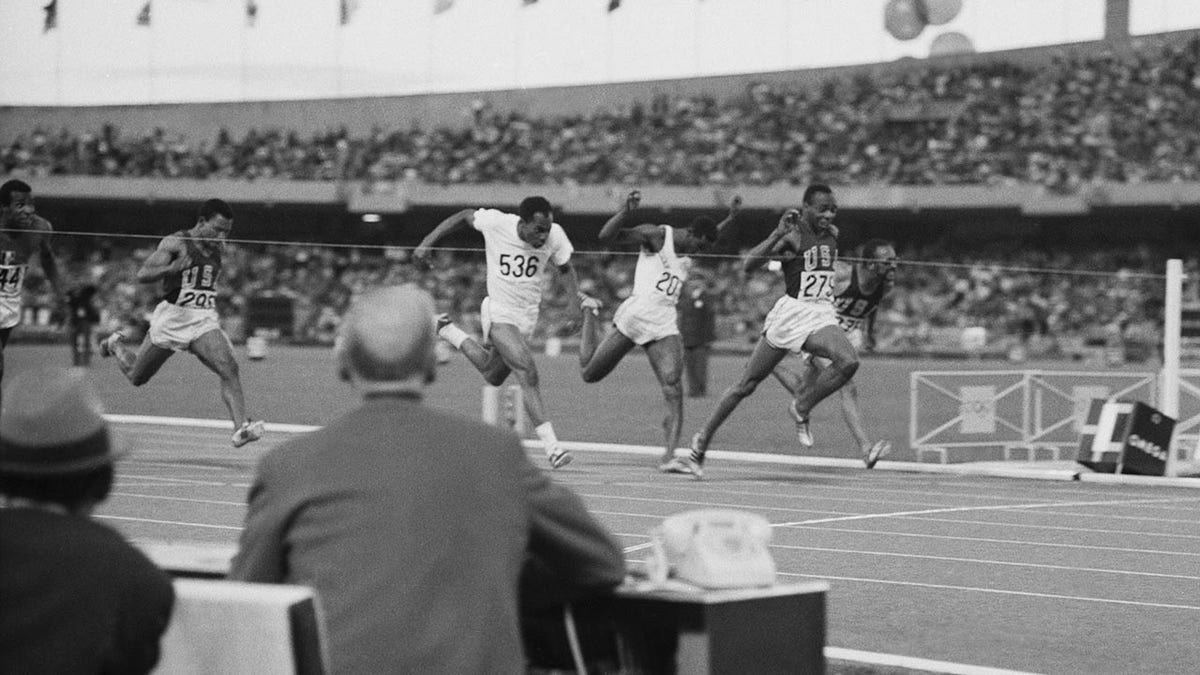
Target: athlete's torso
[(514, 268), (659, 275), (16, 247), (809, 276), (196, 286), (855, 306)]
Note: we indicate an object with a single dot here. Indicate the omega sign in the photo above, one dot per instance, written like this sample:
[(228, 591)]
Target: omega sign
[(1147, 441), (1149, 447)]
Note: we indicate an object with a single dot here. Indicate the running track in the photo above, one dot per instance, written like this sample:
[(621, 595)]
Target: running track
[(1047, 576)]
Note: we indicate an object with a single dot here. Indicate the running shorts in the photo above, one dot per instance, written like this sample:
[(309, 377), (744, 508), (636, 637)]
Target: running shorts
[(791, 321), (644, 322), (175, 327)]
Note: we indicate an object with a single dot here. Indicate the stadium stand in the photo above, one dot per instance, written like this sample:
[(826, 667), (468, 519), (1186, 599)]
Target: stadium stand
[(1079, 125)]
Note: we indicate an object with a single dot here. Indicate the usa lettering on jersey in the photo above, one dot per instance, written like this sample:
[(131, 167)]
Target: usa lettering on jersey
[(198, 288)]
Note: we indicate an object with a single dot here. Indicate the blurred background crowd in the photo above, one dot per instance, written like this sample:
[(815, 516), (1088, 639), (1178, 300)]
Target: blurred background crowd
[(1079, 120), (1064, 124), (1039, 304)]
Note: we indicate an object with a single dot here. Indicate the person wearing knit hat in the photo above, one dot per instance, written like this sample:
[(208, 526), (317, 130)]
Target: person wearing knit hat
[(397, 512), (78, 598)]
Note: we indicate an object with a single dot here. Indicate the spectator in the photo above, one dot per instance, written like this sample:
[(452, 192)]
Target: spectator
[(81, 303), (697, 325), (413, 524), (76, 597)]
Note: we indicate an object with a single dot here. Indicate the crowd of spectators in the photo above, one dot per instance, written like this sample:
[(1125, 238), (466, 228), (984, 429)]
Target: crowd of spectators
[(1075, 119), (1051, 304)]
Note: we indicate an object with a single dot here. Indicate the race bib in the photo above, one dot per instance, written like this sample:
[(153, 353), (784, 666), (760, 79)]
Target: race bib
[(816, 285), (10, 280), (197, 299)]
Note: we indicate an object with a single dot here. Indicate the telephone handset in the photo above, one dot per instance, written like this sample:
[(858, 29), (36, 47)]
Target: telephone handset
[(713, 548)]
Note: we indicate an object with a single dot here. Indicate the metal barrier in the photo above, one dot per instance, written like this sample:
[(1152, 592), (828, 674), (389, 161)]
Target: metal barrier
[(1016, 414)]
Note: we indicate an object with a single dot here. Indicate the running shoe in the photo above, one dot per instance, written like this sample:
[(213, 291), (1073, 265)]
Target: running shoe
[(802, 432), (108, 344), (878, 449), (676, 465), (590, 304), (695, 460), (559, 457), (443, 320), (249, 432)]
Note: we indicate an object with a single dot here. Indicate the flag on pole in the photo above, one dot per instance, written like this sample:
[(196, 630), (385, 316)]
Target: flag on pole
[(251, 13), (51, 21), (440, 6), (143, 17), (613, 5), (348, 7)]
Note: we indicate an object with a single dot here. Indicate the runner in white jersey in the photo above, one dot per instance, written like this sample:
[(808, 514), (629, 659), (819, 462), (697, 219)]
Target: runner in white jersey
[(519, 249), (648, 316), (22, 234)]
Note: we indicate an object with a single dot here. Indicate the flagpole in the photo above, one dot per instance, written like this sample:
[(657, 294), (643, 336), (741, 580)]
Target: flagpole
[(429, 42), (517, 12), (153, 77), (58, 58), (343, 21), (608, 47), (242, 60)]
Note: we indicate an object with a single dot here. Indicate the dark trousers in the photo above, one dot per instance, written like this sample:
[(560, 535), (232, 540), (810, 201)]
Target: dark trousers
[(695, 370), (81, 345)]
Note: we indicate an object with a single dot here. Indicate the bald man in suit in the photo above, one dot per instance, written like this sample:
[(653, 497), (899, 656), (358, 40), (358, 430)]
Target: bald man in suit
[(411, 523)]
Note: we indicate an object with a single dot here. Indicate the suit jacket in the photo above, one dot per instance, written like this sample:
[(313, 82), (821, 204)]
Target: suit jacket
[(412, 525), (75, 597), (697, 318)]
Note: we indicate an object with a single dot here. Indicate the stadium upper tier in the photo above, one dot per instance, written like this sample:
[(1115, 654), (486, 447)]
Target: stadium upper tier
[(1065, 126)]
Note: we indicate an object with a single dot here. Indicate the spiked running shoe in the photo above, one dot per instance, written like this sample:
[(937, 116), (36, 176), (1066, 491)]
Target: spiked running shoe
[(590, 305), (108, 344), (559, 458), (878, 450), (802, 432), (695, 460), (249, 432), (676, 465)]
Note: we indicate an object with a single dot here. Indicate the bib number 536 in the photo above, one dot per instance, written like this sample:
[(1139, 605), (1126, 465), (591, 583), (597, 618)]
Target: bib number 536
[(517, 265)]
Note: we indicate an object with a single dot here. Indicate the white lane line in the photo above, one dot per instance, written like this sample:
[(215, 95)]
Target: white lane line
[(181, 481), (179, 499), (915, 663), (1113, 516), (984, 561), (205, 423), (996, 591), (984, 540), (1030, 526), (962, 509), (170, 522)]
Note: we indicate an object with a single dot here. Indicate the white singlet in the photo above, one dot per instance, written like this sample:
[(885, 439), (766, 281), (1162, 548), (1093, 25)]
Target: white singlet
[(649, 313), (12, 277), (514, 268)]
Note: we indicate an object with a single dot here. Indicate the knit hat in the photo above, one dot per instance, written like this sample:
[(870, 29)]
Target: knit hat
[(52, 423)]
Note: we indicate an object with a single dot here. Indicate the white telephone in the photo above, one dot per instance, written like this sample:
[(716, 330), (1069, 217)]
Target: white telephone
[(713, 548)]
